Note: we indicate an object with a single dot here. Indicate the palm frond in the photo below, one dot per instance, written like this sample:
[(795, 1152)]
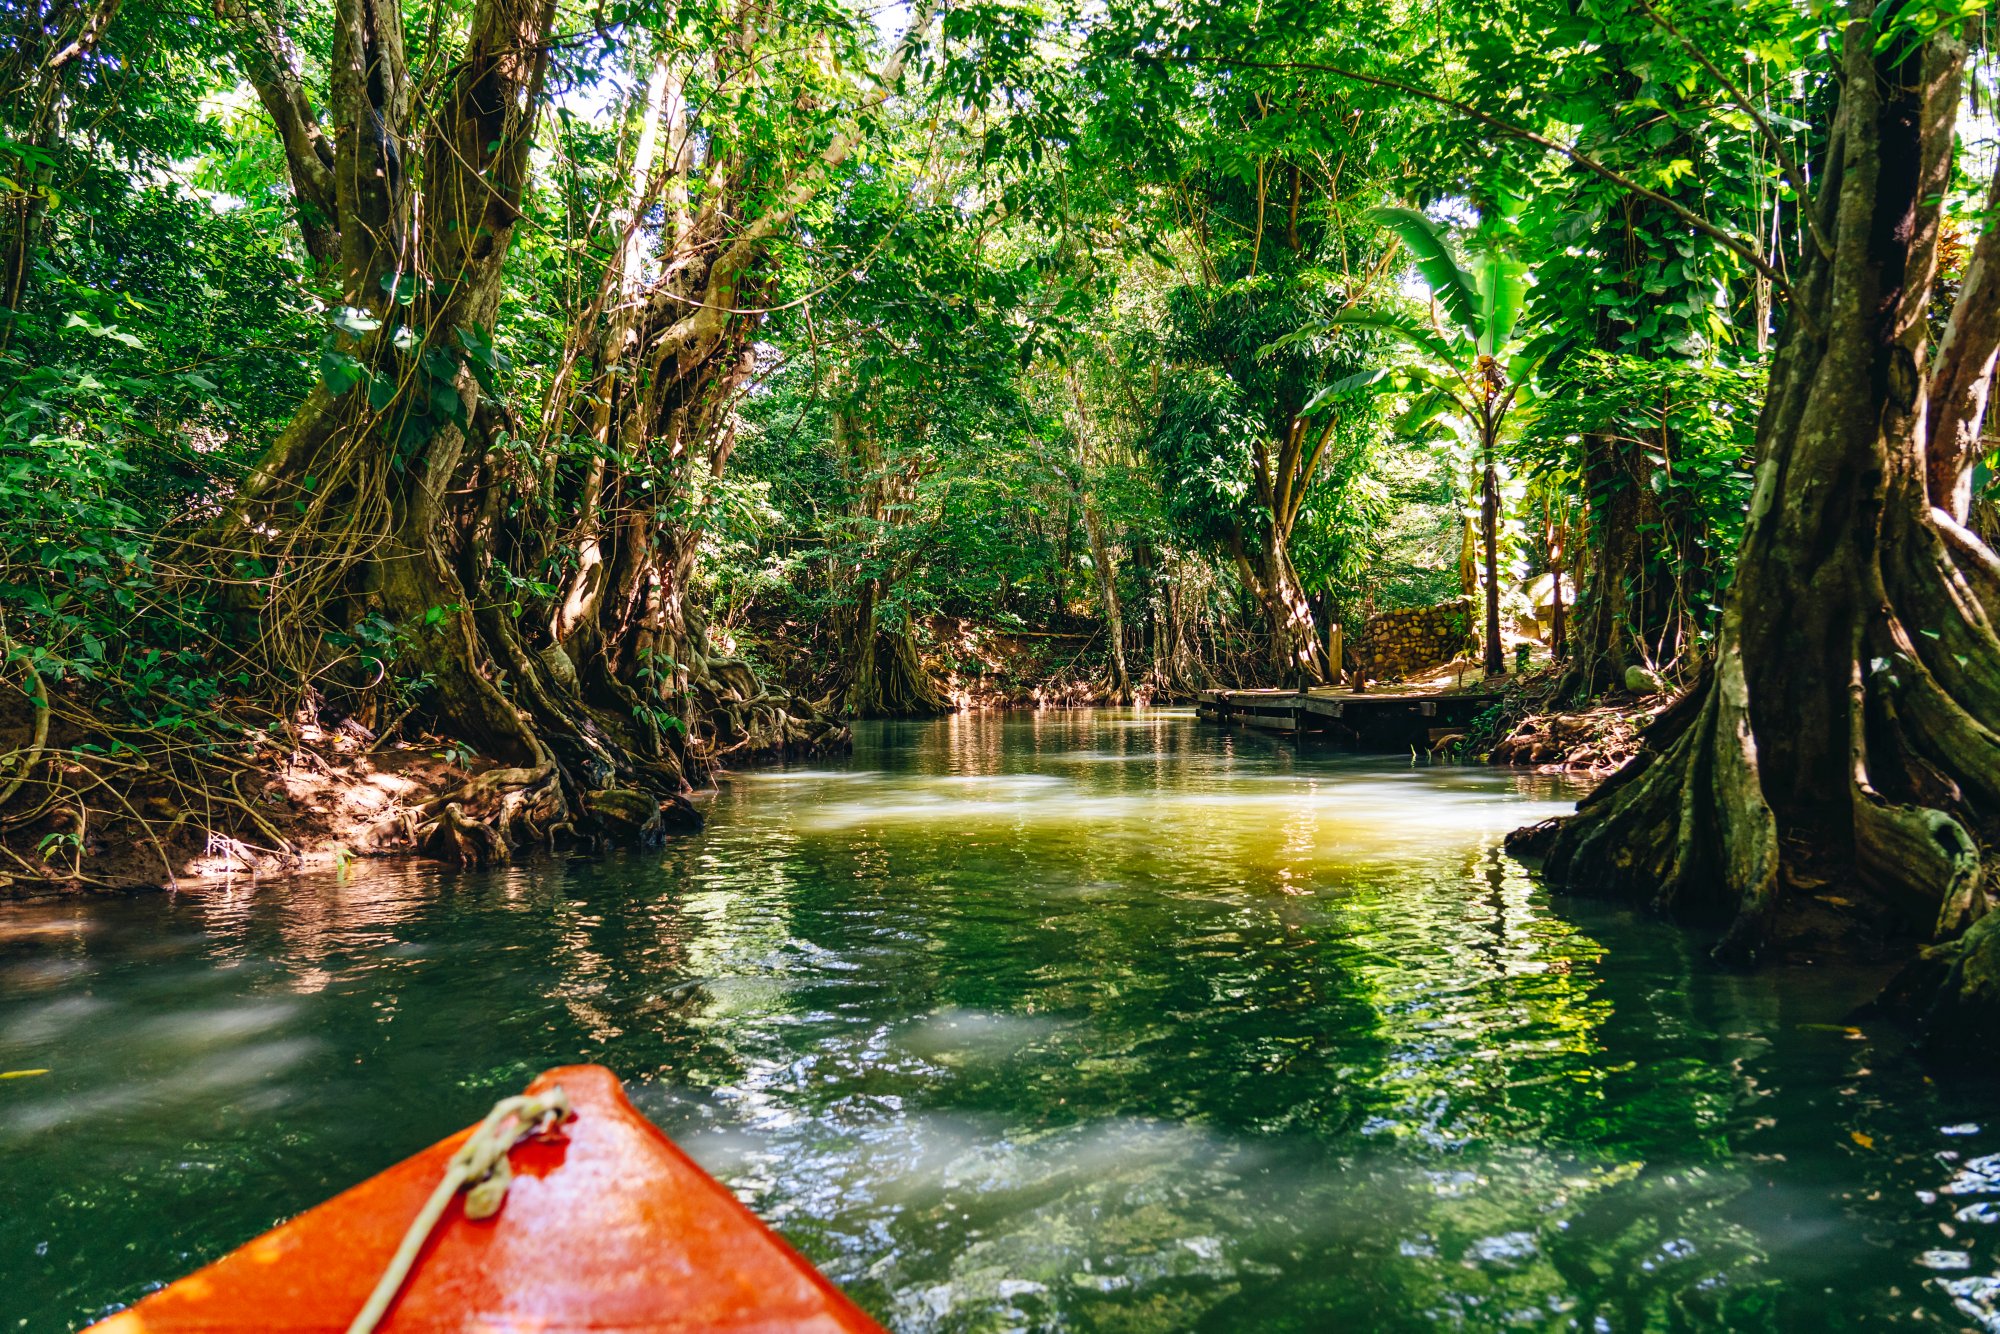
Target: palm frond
[(1451, 285), (1503, 286)]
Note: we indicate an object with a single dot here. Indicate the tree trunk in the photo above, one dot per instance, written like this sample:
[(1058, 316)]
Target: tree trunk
[(879, 674), (1107, 600), (1559, 624), (270, 63), (1100, 551), (1489, 529), (1468, 559), (1827, 783), (1603, 646), (381, 494), (1295, 650), (885, 676), (1292, 649), (1175, 670), (1065, 552)]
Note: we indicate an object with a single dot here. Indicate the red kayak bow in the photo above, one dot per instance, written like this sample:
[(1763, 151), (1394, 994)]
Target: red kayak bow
[(606, 1227)]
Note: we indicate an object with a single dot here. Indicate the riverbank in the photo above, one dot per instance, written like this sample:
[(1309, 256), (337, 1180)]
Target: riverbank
[(289, 796), (295, 797), (978, 664), (271, 805), (1529, 729)]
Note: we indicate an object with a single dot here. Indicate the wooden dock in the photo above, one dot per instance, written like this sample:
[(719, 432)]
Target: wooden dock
[(1384, 718)]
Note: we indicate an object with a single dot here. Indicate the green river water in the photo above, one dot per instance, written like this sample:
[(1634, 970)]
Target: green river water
[(1096, 1021)]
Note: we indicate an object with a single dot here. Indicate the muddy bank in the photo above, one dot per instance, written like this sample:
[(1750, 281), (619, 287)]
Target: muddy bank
[(1530, 730), (1594, 741), (974, 664), (298, 797)]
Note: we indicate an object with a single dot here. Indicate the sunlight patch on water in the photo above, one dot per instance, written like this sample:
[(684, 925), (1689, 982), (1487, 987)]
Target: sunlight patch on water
[(957, 1037), (781, 778), (189, 1093), (1330, 819), (1166, 1221)]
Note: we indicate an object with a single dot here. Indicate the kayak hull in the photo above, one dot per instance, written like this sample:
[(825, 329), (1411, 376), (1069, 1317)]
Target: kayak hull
[(608, 1227)]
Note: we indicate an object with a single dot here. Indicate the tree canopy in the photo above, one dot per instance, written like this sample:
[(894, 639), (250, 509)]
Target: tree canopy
[(614, 390)]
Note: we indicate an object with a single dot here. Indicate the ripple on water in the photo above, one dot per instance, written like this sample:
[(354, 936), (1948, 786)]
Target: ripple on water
[(1082, 1021)]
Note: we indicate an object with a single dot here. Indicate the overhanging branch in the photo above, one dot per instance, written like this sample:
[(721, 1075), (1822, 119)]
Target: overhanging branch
[(1747, 250)]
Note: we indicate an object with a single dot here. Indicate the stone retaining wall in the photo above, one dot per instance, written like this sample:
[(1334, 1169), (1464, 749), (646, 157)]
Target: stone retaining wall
[(1400, 643)]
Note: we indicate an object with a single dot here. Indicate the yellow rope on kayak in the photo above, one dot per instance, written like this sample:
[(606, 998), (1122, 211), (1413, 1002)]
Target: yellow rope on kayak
[(480, 1164)]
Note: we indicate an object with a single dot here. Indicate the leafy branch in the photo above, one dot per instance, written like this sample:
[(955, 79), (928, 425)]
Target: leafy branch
[(1748, 250)]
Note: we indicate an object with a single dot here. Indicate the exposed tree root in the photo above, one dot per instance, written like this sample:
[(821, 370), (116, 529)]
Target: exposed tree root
[(1832, 783), (1531, 729), (887, 678), (1953, 990), (115, 807), (24, 760)]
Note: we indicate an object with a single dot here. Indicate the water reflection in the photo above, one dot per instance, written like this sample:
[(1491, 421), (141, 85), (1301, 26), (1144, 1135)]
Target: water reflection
[(1071, 1021)]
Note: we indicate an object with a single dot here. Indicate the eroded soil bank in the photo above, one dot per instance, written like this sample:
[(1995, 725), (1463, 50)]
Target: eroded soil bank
[(296, 797)]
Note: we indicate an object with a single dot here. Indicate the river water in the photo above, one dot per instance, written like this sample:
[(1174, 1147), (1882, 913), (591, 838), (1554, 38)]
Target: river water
[(1099, 1021)]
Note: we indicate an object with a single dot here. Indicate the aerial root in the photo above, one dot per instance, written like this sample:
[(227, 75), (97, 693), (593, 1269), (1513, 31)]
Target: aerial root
[(456, 837), (31, 755), (489, 817), (627, 814), (1535, 840)]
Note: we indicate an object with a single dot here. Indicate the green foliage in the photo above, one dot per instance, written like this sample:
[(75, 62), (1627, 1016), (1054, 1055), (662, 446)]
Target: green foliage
[(165, 342), (1206, 439), (1685, 432), (1084, 257)]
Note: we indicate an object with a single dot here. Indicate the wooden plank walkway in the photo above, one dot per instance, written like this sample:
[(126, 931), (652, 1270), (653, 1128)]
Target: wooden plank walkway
[(1388, 717)]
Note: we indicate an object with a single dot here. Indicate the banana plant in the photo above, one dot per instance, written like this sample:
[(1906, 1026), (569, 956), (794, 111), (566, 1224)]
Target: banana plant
[(1463, 370)]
